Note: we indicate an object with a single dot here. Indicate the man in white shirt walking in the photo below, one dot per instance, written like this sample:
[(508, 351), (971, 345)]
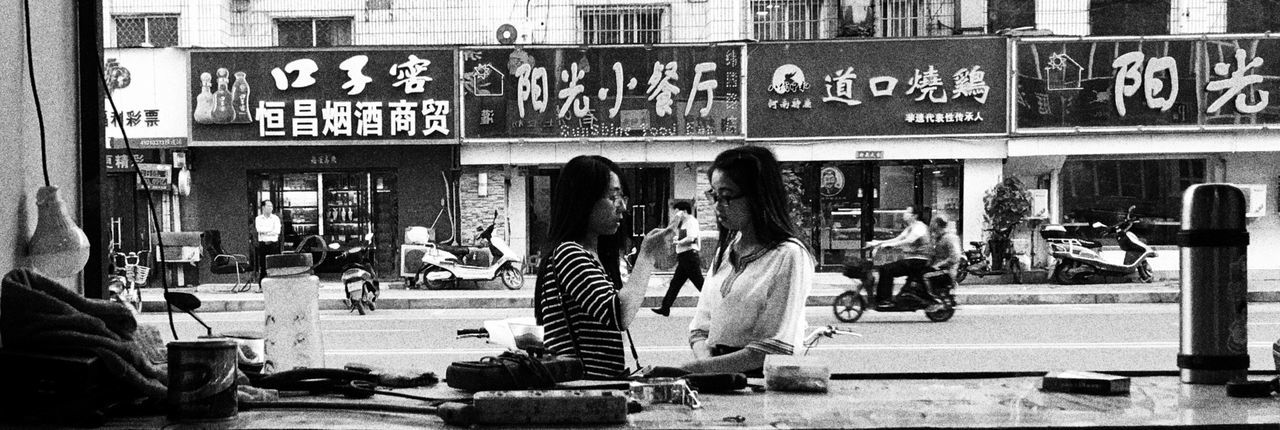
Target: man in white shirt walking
[(688, 264), (267, 225)]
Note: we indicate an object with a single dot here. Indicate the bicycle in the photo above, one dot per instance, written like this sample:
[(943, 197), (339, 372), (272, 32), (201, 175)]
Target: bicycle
[(128, 275)]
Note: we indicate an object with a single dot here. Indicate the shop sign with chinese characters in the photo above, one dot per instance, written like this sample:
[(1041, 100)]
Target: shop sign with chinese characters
[(1144, 82), (148, 93), (602, 92), (878, 88), (350, 95)]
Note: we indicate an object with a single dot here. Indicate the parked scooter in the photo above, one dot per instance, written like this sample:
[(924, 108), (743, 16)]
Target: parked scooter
[(977, 261), (1078, 261), (444, 265), (359, 277), (937, 301)]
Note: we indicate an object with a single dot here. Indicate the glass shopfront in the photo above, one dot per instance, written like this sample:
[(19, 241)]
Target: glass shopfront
[(856, 202), (343, 207), (1101, 190)]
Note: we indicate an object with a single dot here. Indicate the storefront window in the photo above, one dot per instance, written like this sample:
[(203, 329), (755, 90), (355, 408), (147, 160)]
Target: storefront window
[(1102, 190), (862, 201)]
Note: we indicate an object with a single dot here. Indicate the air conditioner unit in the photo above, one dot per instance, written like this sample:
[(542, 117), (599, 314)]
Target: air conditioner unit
[(240, 5), (515, 33)]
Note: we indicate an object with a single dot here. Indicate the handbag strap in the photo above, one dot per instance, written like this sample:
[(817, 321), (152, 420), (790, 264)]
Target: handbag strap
[(568, 323)]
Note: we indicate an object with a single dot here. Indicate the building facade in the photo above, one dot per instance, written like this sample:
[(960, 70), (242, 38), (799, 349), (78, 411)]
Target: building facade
[(899, 110)]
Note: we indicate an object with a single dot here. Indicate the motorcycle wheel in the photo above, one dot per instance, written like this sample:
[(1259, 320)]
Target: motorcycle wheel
[(358, 306), (511, 278), (1144, 272), (940, 315), (432, 285), (1062, 273), (370, 296), (849, 306)]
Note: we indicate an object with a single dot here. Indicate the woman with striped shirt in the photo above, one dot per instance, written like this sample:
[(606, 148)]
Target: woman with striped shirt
[(580, 297), (752, 303)]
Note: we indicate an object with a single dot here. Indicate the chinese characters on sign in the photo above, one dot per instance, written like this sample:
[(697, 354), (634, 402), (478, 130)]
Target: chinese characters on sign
[(602, 92), (395, 94), (878, 87), (1131, 83)]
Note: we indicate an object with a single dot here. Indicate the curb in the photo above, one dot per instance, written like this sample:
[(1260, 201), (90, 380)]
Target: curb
[(242, 302)]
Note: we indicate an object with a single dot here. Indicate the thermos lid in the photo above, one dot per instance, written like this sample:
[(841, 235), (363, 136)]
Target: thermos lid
[(288, 264), (203, 343)]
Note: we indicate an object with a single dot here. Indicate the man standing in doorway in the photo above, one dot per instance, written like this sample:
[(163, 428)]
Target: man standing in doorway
[(688, 265), (268, 226)]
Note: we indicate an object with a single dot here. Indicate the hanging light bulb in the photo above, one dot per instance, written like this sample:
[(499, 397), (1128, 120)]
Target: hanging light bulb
[(58, 248)]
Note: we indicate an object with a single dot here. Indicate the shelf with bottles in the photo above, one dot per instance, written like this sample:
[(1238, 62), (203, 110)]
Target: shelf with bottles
[(300, 182)]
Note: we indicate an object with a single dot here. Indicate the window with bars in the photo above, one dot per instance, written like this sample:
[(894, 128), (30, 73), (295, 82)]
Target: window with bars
[(309, 32), (148, 31), (792, 19), (915, 18), (610, 25)]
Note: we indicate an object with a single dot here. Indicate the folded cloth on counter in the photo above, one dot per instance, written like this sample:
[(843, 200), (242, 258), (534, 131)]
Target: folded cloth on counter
[(39, 314)]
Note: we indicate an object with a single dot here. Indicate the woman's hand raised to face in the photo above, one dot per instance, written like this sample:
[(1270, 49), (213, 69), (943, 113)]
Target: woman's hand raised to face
[(655, 242)]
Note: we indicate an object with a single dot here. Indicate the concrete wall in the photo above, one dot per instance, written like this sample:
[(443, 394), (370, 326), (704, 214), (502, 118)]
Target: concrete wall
[(980, 175), (20, 169), (477, 211)]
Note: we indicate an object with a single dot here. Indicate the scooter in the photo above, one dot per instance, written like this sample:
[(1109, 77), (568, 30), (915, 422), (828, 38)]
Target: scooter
[(443, 265), (937, 301), (976, 261), (1078, 261), (360, 278)]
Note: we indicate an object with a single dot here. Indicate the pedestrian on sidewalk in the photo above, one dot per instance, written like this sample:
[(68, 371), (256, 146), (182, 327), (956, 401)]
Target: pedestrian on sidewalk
[(688, 263), (580, 297), (761, 275), (267, 225)]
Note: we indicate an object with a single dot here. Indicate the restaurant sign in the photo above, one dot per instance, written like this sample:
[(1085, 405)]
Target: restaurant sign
[(602, 92), (1144, 82), (877, 88), (329, 94)]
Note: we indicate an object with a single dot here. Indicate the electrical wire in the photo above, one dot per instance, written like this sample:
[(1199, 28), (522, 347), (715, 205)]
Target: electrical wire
[(151, 208), (35, 94)]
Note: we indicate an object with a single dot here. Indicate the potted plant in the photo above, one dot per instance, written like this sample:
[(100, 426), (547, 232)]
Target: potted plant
[(1005, 205)]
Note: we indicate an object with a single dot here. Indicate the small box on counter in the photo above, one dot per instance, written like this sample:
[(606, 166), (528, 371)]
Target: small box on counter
[(796, 373), (1082, 382)]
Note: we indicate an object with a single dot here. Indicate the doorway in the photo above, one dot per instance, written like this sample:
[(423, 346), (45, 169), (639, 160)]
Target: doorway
[(860, 201)]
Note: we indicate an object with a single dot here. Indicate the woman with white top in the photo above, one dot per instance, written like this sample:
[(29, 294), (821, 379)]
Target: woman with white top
[(754, 297)]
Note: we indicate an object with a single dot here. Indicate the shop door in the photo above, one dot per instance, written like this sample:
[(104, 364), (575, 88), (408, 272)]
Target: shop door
[(847, 198), (647, 199), (343, 207), (649, 190)]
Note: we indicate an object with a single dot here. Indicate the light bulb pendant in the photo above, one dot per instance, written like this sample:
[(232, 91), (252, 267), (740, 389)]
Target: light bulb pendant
[(58, 248)]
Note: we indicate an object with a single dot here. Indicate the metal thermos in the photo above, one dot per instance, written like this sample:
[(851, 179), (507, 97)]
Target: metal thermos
[(1214, 247)]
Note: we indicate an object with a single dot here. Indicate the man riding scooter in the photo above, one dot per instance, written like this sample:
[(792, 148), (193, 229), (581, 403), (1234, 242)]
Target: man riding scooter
[(916, 250)]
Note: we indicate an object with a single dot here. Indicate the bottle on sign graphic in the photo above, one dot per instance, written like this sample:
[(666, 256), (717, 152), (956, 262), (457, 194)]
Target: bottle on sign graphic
[(240, 99), (222, 111), (204, 102)]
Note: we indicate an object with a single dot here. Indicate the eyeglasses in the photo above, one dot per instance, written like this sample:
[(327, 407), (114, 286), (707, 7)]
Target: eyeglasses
[(721, 199), (616, 197)]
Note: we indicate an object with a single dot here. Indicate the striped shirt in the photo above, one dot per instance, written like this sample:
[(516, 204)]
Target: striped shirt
[(573, 288)]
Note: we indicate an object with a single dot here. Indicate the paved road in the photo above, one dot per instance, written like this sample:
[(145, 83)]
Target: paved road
[(979, 338)]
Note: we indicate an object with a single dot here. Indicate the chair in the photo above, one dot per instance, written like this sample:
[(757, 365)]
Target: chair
[(224, 263)]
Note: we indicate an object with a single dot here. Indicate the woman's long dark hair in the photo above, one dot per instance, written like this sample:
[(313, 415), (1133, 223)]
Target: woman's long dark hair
[(756, 172), (582, 183)]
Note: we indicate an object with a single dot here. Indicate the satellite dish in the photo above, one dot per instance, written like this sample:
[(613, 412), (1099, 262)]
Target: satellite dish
[(507, 34)]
